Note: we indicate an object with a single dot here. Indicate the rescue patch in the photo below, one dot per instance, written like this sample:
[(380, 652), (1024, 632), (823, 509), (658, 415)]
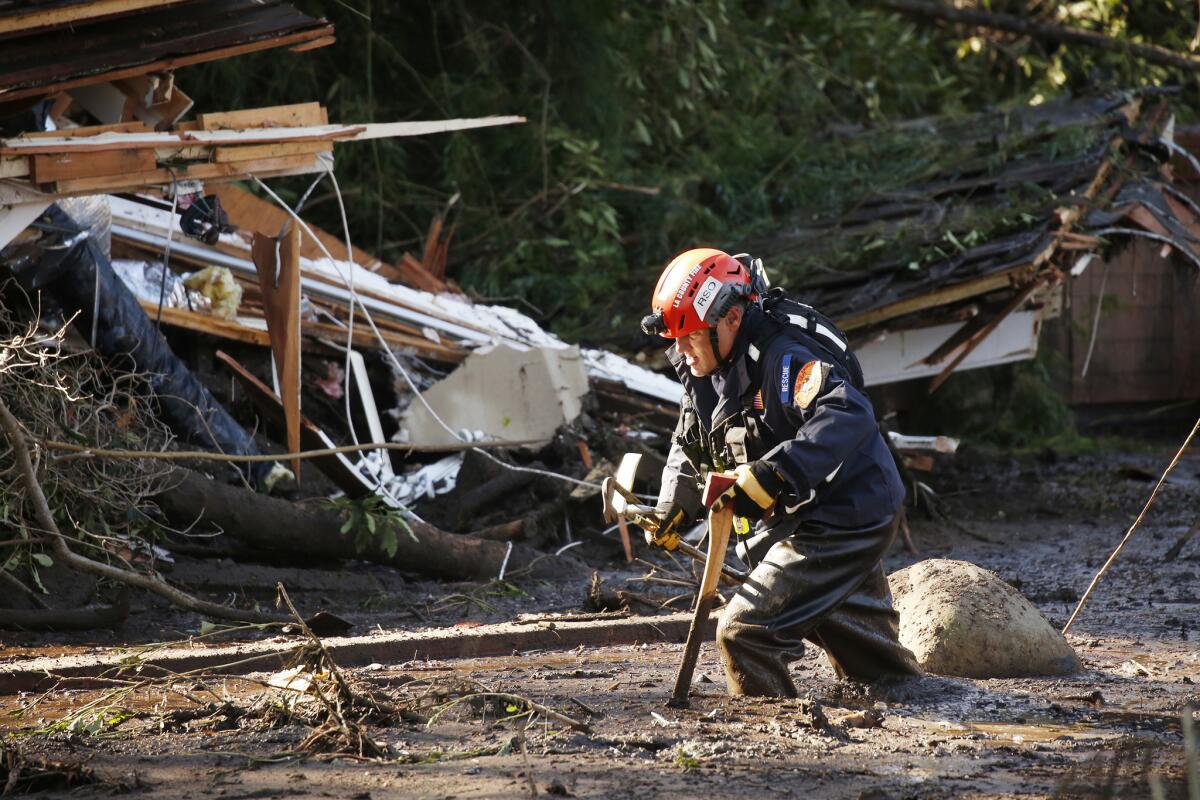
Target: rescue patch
[(809, 382), (785, 380)]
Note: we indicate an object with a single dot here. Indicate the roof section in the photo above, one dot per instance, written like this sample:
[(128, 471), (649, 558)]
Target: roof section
[(927, 214), (44, 61), (22, 16)]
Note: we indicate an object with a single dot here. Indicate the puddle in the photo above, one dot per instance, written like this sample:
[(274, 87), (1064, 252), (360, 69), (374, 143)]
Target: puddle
[(1018, 732)]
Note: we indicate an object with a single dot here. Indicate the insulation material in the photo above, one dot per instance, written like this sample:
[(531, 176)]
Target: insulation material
[(144, 279), (511, 394), (218, 285)]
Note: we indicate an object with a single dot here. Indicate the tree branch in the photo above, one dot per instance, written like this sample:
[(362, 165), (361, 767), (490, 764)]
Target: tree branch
[(58, 543), (1038, 30)]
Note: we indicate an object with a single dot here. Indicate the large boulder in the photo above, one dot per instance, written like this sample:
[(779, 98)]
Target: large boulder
[(959, 619)]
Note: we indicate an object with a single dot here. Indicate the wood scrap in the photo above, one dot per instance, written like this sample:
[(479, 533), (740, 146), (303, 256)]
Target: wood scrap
[(278, 264)]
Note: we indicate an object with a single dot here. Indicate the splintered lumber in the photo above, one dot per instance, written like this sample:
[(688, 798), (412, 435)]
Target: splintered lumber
[(289, 530), (334, 467), (278, 264), (206, 323)]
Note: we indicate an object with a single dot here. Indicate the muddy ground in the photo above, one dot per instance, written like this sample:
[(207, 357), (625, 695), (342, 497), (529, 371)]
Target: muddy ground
[(1049, 522)]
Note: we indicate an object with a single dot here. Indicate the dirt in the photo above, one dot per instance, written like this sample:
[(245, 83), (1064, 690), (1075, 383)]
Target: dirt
[(1050, 521)]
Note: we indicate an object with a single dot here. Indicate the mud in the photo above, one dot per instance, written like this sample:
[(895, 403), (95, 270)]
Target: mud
[(1102, 732)]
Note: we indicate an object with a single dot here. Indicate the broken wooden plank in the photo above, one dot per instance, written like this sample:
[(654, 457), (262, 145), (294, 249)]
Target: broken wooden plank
[(253, 152), (198, 171), (986, 329), (205, 323), (948, 294), (278, 264), (298, 115), (22, 145), (73, 166)]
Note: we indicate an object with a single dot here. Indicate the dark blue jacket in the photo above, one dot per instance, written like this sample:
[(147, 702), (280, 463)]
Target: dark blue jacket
[(825, 443)]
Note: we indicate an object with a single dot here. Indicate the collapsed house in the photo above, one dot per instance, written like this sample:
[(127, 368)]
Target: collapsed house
[(971, 232), (127, 215)]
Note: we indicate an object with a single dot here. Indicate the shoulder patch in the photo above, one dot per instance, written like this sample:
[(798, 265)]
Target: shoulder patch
[(809, 382)]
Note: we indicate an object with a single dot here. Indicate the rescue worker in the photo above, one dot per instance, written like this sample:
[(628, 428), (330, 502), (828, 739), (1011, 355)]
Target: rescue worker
[(772, 391)]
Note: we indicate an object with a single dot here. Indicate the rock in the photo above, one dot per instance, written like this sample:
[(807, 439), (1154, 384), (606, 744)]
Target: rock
[(959, 619)]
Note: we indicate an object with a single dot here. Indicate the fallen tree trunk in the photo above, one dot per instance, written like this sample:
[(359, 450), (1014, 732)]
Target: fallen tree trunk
[(273, 525)]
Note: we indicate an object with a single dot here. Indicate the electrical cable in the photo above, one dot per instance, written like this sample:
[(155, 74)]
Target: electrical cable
[(162, 287), (396, 362)]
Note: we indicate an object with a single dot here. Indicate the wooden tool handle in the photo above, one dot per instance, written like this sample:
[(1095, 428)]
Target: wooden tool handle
[(719, 525)]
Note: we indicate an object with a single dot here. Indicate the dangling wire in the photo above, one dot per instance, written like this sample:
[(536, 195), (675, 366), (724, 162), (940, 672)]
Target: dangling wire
[(162, 287)]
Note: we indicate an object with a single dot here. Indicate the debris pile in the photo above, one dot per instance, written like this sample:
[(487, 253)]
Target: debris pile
[(953, 244)]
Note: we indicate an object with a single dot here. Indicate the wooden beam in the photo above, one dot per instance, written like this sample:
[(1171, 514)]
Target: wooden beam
[(298, 115), (252, 152), (198, 171), (72, 166), (948, 294), (986, 329)]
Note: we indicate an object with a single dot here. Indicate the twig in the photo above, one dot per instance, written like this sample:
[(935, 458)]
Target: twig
[(1177, 548), (1132, 528), (183, 455), (58, 543)]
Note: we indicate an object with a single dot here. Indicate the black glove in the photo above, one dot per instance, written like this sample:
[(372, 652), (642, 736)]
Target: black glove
[(670, 517), (755, 491)]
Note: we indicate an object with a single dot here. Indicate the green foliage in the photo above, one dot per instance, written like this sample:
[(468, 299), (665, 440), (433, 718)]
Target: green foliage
[(685, 760), (656, 126), (373, 523), (1013, 405)]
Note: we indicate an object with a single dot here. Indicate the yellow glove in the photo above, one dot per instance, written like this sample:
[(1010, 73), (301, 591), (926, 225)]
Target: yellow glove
[(666, 535)]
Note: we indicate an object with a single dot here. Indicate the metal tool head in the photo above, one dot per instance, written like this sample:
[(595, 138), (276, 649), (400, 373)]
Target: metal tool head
[(608, 493), (616, 491), (627, 470)]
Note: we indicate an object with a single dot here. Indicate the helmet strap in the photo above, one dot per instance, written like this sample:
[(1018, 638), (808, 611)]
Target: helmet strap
[(722, 361)]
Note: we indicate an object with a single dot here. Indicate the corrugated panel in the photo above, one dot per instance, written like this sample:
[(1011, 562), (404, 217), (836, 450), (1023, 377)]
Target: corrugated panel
[(163, 38)]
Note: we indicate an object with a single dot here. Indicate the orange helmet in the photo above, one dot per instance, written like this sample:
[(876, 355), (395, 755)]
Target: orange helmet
[(695, 290)]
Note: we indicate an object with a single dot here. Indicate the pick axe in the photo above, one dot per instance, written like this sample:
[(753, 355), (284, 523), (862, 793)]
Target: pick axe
[(720, 521), (620, 501)]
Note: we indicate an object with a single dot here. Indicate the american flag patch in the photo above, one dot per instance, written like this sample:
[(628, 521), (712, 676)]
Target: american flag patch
[(758, 401)]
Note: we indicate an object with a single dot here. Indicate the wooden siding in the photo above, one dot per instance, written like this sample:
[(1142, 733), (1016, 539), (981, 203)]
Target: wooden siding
[(1148, 338)]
